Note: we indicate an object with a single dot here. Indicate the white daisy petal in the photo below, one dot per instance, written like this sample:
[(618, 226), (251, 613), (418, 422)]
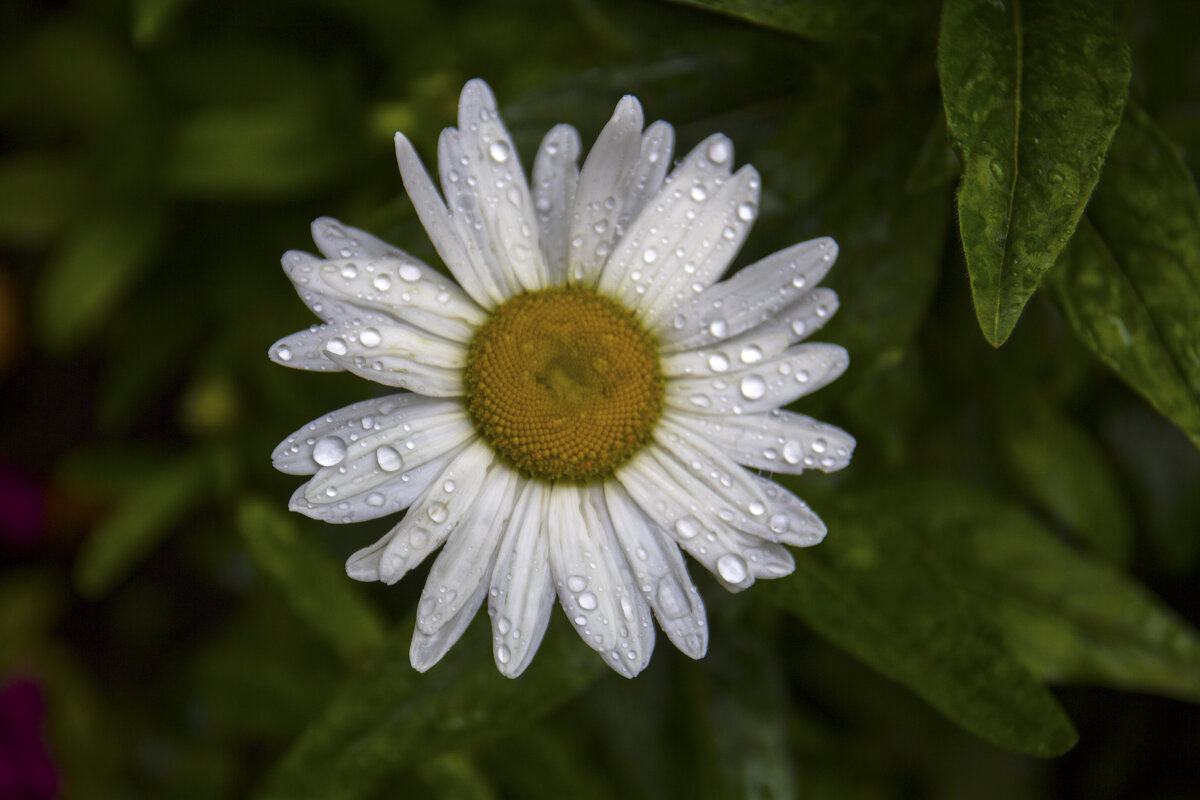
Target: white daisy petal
[(778, 381), (707, 464), (295, 456), (363, 345), (522, 590), (601, 201), (555, 179), (790, 519), (306, 349), (711, 247), (658, 143), (427, 649), (660, 573), (337, 240), (749, 298), (779, 441), (675, 233), (389, 290), (370, 463), (508, 235), (466, 560), (440, 227), (669, 498), (428, 523), (417, 373), (593, 581)]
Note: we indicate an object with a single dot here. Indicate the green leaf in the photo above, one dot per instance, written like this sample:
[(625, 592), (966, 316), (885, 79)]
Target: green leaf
[(39, 193), (388, 717), (1066, 471), (314, 584), (874, 591), (142, 516), (1069, 617), (813, 19), (90, 271), (1130, 284), (1033, 92)]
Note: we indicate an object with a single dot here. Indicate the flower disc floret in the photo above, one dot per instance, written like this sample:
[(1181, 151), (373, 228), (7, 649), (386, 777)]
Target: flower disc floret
[(564, 383)]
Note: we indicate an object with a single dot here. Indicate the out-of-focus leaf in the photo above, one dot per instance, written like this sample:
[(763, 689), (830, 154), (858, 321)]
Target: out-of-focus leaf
[(873, 591), (936, 164), (741, 699), (265, 674), (1068, 474), (266, 152), (813, 19), (454, 776), (151, 17), (540, 764), (388, 717), (1069, 617), (1033, 92), (93, 267), (141, 517), (30, 603), (315, 585), (1130, 284), (39, 193)]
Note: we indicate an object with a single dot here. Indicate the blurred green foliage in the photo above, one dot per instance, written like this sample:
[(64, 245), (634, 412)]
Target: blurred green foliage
[(1017, 523)]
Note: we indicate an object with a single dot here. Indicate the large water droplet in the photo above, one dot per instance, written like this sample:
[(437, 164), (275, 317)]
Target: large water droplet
[(753, 387), (349, 272), (499, 151), (751, 354), (649, 255), (329, 451), (700, 401), (718, 328), (720, 151), (587, 601), (792, 452), (732, 568), (576, 583), (283, 352), (687, 528), (503, 654), (746, 211), (699, 193), (718, 362), (382, 283), (410, 273), (370, 337), (672, 601), (337, 346), (375, 499), (389, 460), (438, 512)]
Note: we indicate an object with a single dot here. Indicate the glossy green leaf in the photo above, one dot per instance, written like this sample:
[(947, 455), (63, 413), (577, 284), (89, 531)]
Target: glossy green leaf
[(812, 19), (314, 584), (1068, 616), (873, 590), (1033, 92), (1066, 472), (142, 516), (388, 717), (1130, 285), (92, 269)]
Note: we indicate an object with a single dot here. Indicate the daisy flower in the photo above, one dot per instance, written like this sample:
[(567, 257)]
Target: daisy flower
[(581, 402)]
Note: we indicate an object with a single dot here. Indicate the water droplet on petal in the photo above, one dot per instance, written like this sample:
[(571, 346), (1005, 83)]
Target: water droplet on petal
[(437, 512), (699, 193), (751, 354), (718, 328), (746, 211), (756, 508), (753, 387), (389, 460), (792, 452), (649, 255), (375, 499), (503, 654), (732, 568), (329, 451), (349, 272), (687, 528), (720, 151), (499, 151), (718, 362), (382, 283), (337, 346), (370, 337), (283, 352), (576, 583), (587, 601)]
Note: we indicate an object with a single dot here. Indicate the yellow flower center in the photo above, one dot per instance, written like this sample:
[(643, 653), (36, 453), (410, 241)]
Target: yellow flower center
[(564, 383)]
